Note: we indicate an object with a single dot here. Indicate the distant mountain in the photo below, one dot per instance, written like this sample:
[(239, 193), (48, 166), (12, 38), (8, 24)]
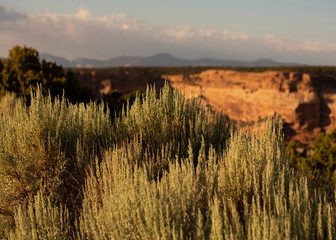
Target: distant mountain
[(161, 59), (59, 60)]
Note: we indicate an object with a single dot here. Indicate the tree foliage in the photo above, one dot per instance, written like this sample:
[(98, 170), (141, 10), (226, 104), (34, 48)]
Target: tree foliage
[(319, 161), (116, 101), (23, 70)]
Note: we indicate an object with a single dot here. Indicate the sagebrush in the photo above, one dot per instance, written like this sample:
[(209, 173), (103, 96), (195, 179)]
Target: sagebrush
[(165, 169)]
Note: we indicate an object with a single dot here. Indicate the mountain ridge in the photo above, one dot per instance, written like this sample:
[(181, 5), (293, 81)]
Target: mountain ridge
[(160, 59)]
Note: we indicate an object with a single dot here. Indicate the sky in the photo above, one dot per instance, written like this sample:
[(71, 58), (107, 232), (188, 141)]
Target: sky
[(300, 31)]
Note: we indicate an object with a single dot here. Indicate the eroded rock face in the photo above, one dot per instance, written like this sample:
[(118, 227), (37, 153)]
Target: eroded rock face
[(103, 81), (305, 102)]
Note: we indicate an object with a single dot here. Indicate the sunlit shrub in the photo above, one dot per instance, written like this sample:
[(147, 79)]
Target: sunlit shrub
[(49, 143), (173, 120), (165, 169), (40, 219), (247, 192)]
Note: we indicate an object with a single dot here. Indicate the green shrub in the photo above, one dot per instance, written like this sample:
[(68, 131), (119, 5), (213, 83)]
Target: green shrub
[(248, 192), (40, 219), (165, 169), (172, 120), (122, 202), (53, 142), (50, 143)]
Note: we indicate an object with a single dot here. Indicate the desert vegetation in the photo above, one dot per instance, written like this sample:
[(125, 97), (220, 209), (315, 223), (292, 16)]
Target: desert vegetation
[(164, 167), (317, 161)]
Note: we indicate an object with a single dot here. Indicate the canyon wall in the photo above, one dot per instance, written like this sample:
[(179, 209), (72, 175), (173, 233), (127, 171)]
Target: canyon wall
[(306, 102), (104, 80)]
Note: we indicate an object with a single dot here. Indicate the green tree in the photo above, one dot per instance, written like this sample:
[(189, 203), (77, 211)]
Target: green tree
[(116, 101), (319, 161), (1, 67), (23, 70), (297, 159), (323, 159)]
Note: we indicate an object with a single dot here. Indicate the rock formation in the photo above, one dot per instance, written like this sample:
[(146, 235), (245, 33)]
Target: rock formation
[(306, 102), (104, 80)]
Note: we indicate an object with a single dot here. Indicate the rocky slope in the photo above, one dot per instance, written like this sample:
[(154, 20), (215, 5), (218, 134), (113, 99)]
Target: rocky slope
[(306, 102)]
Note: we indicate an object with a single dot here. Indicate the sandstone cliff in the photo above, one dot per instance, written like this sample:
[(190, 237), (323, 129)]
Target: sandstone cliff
[(306, 102)]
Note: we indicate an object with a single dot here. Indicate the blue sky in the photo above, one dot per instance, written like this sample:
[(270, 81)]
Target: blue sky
[(288, 30)]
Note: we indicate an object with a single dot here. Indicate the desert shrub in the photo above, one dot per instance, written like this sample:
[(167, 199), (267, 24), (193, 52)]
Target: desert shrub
[(40, 219), (247, 192), (247, 160), (165, 169), (50, 143), (260, 197), (173, 120), (123, 202)]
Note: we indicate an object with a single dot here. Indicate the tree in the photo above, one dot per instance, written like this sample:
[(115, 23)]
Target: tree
[(23, 70), (1, 67), (319, 161), (20, 70), (115, 100), (323, 159)]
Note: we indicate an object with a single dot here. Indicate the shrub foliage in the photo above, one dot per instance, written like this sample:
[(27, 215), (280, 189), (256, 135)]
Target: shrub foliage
[(166, 168), (48, 144)]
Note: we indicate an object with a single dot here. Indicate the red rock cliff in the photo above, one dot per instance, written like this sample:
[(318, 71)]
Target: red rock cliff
[(307, 103)]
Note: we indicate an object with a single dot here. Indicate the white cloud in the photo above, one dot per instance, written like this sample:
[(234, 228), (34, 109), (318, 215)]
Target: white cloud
[(117, 21), (280, 44), (317, 46), (287, 45), (224, 35), (83, 14), (84, 35)]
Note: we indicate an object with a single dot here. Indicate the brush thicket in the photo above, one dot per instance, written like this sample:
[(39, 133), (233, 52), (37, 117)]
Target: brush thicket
[(165, 169)]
